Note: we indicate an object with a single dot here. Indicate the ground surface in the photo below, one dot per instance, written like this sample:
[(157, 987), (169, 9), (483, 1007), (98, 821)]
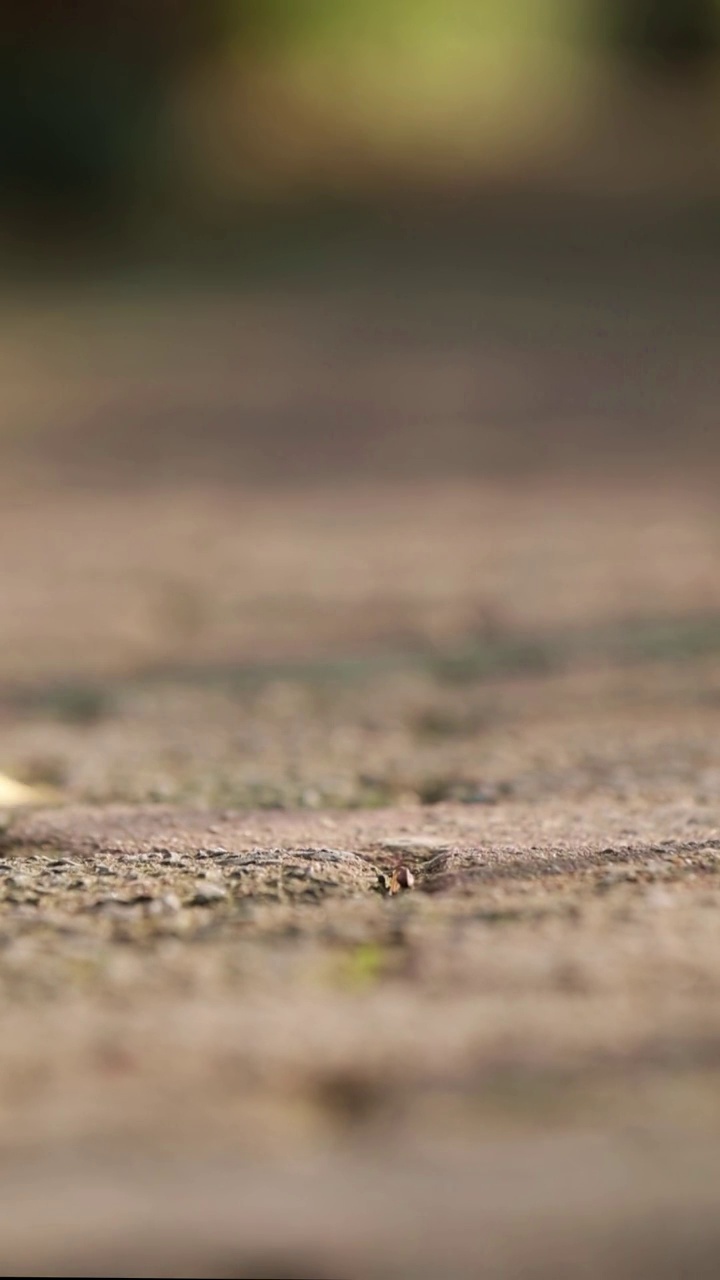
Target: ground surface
[(250, 687)]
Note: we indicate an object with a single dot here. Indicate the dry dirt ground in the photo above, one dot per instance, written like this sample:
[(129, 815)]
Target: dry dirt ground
[(258, 694)]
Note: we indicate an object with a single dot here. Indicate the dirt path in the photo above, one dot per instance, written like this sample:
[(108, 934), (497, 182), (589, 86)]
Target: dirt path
[(260, 696), (317, 1076)]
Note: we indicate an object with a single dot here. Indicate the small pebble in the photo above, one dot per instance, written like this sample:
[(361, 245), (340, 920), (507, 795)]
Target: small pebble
[(207, 894), (400, 879), (167, 904), (405, 877)]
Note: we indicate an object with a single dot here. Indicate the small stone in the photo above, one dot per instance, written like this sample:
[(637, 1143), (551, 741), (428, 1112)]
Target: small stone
[(405, 877), (107, 907), (207, 894), (17, 882), (167, 904), (400, 879)]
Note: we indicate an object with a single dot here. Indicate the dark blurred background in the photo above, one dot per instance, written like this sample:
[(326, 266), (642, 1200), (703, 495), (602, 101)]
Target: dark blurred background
[(202, 110), (263, 246), (542, 175)]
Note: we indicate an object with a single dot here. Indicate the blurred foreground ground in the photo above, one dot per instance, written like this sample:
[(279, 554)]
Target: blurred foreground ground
[(410, 563)]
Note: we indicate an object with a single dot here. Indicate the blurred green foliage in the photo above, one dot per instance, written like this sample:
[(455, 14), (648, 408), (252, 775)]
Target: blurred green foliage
[(84, 85)]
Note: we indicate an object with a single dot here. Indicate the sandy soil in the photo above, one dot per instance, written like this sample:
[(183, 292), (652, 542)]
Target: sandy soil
[(232, 1042)]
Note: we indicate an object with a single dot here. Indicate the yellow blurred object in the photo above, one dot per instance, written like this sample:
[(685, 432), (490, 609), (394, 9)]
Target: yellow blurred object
[(13, 794)]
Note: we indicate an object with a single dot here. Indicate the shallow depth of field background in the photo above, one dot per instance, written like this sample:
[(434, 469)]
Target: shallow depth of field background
[(359, 499), (525, 194), (319, 322)]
